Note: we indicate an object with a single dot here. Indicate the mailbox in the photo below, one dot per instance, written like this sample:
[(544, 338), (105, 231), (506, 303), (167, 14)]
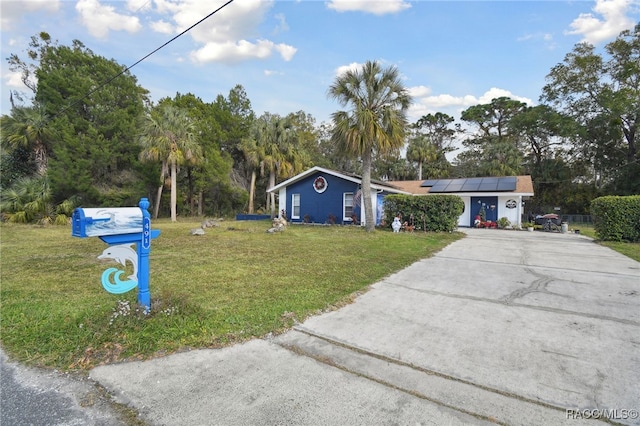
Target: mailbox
[(106, 221), (121, 228)]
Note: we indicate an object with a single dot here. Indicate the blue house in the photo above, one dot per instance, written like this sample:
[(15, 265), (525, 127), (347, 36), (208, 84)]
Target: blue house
[(320, 195)]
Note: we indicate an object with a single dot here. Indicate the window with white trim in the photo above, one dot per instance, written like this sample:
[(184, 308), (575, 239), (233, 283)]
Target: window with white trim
[(295, 206), (347, 205)]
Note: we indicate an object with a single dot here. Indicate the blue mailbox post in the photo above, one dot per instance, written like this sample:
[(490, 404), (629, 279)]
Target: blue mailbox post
[(121, 228)]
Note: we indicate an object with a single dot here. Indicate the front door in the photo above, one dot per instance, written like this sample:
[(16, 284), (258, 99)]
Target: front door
[(485, 207)]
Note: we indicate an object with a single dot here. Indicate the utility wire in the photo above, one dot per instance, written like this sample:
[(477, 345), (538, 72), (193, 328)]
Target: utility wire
[(142, 59)]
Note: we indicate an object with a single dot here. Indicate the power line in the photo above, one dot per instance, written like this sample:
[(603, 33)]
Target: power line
[(142, 59)]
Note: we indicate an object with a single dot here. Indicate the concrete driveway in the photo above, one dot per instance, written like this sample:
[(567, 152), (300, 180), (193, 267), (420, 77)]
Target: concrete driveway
[(502, 327)]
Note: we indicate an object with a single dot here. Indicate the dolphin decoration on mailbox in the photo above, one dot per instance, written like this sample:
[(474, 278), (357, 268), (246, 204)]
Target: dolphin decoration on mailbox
[(121, 228), (120, 253)]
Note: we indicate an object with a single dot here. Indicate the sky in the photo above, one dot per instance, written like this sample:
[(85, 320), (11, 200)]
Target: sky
[(450, 54)]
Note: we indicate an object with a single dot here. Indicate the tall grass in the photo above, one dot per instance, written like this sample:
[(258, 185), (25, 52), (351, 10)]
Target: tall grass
[(233, 283)]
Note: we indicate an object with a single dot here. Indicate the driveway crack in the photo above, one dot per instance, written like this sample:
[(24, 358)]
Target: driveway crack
[(537, 286)]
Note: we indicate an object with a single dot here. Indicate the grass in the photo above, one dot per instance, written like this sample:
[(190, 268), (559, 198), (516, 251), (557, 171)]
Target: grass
[(234, 283), (631, 250)]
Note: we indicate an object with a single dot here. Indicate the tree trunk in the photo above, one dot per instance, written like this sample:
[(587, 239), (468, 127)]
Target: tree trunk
[(191, 195), (174, 191), (252, 191), (272, 196), (156, 207), (200, 201), (420, 170), (41, 159), (370, 220)]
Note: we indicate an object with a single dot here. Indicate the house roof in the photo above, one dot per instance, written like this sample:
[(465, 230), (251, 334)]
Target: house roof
[(411, 186), (375, 184), (507, 184), (524, 185), (514, 184)]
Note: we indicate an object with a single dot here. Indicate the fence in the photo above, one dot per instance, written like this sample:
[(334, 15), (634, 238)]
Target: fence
[(576, 218)]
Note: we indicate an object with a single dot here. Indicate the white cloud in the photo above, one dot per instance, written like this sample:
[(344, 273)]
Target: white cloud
[(353, 66), (287, 52), (419, 91), (494, 92), (357, 67), (282, 23), (100, 19), (230, 52), (368, 6), (229, 35), (269, 73), (164, 6), (537, 36), (13, 80), (12, 11), (446, 100), (138, 5), (544, 37), (162, 27), (614, 20), (453, 105)]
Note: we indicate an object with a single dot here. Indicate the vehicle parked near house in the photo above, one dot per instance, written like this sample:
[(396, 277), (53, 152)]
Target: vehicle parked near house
[(543, 219)]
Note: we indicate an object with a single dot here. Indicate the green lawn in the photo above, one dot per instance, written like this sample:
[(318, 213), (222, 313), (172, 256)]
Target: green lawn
[(631, 250), (234, 283)]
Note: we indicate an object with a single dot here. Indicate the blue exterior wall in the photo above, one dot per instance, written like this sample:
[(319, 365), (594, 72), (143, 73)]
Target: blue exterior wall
[(253, 216), (320, 206), (478, 202)]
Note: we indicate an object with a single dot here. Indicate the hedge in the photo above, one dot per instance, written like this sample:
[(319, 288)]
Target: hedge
[(432, 213), (617, 218)]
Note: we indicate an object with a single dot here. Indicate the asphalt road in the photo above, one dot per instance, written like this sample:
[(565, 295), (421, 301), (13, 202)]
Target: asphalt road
[(38, 397)]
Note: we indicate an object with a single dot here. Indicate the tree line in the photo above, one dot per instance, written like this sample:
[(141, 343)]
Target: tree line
[(87, 134)]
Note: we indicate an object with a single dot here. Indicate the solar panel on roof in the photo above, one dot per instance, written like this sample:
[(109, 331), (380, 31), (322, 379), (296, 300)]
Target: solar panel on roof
[(507, 184), (440, 185), (438, 188), (455, 187), (471, 185), (488, 186)]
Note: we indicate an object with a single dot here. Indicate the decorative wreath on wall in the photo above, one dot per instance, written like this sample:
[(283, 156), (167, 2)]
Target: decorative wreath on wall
[(320, 184)]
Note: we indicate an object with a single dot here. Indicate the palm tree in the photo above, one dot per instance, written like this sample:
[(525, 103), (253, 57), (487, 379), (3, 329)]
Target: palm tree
[(168, 135), (376, 123), (28, 127), (252, 155), (277, 146), (421, 150), (29, 200)]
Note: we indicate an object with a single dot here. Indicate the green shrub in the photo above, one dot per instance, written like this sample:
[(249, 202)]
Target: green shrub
[(617, 218), (432, 213), (503, 223), (29, 200)]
